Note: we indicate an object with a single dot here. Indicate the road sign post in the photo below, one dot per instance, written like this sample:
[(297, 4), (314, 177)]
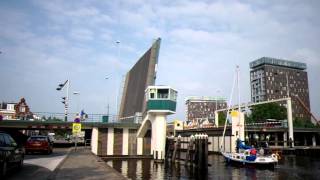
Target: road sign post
[(76, 130)]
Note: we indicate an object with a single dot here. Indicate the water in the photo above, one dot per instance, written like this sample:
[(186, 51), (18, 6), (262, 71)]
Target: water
[(289, 167)]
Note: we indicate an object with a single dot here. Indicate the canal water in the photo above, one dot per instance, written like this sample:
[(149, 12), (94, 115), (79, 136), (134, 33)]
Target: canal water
[(289, 167)]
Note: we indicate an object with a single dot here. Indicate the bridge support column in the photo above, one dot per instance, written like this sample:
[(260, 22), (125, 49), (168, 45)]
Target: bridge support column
[(158, 137), (305, 140), (285, 139), (290, 123), (110, 141), (139, 146), (125, 141), (314, 142), (276, 139), (216, 118)]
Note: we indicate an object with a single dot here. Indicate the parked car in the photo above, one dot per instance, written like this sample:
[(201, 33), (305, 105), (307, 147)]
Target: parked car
[(39, 144), (11, 154)]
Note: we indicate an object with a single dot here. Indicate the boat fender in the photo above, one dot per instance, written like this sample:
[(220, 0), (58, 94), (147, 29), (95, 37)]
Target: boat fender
[(274, 156)]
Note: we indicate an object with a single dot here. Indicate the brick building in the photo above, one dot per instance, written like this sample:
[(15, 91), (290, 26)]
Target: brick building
[(202, 108), (22, 110)]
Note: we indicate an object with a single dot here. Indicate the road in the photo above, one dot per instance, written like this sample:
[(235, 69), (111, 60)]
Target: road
[(39, 166)]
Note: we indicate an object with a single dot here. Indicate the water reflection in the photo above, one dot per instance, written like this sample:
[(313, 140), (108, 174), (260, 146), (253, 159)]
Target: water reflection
[(290, 167)]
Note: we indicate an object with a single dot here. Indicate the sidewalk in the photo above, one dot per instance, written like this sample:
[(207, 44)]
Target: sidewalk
[(83, 165)]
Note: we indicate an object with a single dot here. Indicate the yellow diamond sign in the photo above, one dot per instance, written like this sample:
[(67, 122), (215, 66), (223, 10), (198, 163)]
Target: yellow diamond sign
[(76, 128)]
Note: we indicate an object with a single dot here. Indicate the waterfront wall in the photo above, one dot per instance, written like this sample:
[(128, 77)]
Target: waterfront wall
[(123, 141), (120, 141)]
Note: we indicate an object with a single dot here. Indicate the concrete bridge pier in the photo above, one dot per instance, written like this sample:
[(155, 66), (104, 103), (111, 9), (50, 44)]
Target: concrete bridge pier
[(158, 137)]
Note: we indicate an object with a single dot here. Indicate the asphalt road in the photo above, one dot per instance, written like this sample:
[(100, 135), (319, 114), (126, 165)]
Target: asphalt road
[(38, 166)]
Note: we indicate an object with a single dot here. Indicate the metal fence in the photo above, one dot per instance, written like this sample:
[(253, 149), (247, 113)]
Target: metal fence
[(52, 116)]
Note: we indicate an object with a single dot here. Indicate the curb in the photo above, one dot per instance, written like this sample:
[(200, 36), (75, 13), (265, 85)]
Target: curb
[(53, 175)]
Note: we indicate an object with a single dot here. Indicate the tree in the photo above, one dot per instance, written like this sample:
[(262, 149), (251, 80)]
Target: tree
[(268, 111), (303, 123), (222, 118)]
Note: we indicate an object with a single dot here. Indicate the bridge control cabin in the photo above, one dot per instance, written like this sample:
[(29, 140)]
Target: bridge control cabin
[(161, 99)]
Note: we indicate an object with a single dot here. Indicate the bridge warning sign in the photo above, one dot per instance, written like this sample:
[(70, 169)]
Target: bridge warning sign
[(76, 128)]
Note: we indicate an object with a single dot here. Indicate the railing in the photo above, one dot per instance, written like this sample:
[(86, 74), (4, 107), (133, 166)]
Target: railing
[(278, 124), (59, 117)]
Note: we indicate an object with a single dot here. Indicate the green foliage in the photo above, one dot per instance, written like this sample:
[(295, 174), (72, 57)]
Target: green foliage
[(248, 119), (268, 111), (222, 118), (303, 123), (53, 119)]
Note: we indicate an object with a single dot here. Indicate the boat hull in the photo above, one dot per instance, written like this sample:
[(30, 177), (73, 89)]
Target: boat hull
[(240, 159)]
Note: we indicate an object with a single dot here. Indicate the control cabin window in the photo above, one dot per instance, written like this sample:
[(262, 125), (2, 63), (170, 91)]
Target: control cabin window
[(151, 95), (163, 93)]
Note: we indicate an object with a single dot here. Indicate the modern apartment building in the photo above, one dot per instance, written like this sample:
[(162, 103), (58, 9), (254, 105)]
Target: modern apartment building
[(273, 78), (201, 108)]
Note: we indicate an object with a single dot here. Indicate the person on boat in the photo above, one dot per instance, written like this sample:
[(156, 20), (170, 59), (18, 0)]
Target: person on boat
[(261, 151), (253, 152), (241, 145)]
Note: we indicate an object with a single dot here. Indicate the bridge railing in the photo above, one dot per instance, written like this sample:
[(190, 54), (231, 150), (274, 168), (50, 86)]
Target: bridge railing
[(277, 124), (59, 117)]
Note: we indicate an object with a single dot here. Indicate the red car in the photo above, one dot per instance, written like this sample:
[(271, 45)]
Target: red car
[(39, 144)]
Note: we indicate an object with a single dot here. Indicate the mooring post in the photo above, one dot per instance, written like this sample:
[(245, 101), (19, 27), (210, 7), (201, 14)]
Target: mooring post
[(205, 162), (195, 153), (200, 152), (178, 147), (174, 151), (189, 151)]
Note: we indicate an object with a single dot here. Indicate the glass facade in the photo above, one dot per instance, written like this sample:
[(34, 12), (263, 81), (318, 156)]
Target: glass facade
[(278, 62)]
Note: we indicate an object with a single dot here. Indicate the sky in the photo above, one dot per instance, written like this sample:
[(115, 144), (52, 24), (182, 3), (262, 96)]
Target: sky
[(44, 43)]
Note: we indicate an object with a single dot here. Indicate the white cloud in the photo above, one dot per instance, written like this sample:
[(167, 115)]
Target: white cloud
[(81, 34), (202, 41)]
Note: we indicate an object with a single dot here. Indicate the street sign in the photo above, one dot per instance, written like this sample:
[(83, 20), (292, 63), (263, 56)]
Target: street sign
[(76, 128)]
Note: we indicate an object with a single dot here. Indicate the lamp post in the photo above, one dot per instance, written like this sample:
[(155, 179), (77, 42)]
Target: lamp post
[(77, 93), (216, 114), (66, 98), (108, 107), (218, 91), (118, 90)]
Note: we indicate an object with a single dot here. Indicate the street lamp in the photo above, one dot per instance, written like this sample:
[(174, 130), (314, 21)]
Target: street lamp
[(77, 93), (66, 98), (108, 107)]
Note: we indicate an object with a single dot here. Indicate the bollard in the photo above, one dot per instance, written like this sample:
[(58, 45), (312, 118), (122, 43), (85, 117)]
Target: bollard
[(205, 162), (200, 152)]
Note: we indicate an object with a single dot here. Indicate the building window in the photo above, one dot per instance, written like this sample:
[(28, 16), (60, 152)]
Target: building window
[(22, 109)]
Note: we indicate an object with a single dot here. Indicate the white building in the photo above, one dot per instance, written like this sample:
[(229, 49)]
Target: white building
[(7, 111)]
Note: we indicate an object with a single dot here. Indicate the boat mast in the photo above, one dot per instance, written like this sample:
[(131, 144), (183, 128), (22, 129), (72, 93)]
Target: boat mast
[(239, 108), (228, 111)]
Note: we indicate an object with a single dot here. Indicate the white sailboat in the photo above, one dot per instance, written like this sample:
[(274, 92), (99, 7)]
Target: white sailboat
[(243, 154)]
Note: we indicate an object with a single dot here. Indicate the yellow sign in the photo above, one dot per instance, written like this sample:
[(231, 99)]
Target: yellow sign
[(234, 113), (76, 128)]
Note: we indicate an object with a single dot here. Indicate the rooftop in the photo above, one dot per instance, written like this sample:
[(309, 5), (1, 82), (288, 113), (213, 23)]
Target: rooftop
[(205, 98), (278, 62)]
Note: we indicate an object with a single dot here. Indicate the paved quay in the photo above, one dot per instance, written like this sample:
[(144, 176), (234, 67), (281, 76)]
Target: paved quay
[(83, 165)]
